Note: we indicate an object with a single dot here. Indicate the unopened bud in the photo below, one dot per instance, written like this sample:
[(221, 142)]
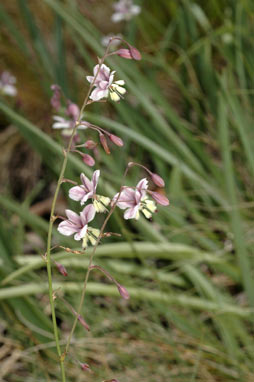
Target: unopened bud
[(61, 269), (159, 198), (136, 55), (73, 111), (90, 145), (56, 97), (123, 292), (85, 367), (116, 140), (104, 143), (124, 53), (88, 160), (157, 180), (130, 164)]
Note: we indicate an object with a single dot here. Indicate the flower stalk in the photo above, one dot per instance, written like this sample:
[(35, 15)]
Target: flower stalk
[(52, 219)]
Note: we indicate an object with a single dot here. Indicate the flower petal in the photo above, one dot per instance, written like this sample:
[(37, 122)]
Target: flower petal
[(66, 228), (87, 214), (86, 182), (73, 217), (95, 179), (76, 193), (131, 213)]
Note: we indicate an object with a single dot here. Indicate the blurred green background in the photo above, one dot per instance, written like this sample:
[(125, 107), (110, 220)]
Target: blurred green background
[(188, 115)]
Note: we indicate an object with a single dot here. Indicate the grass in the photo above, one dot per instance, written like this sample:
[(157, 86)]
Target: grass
[(188, 115)]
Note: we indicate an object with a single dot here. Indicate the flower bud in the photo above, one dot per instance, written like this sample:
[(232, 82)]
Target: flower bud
[(56, 97), (123, 292), (73, 111), (85, 367), (88, 160), (124, 53), (135, 53), (159, 198), (157, 180), (104, 143), (90, 145), (61, 269), (116, 140)]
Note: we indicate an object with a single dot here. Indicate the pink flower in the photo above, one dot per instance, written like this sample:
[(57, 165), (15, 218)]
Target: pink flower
[(7, 84), (124, 10), (86, 190), (77, 224), (135, 200), (68, 125), (104, 85)]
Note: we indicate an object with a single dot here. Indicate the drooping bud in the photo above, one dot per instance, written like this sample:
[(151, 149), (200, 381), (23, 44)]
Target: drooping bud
[(159, 198), (56, 97), (136, 55), (90, 145), (88, 160), (111, 380), (157, 180), (61, 269), (116, 140), (104, 143), (73, 111), (85, 367), (124, 53), (123, 291)]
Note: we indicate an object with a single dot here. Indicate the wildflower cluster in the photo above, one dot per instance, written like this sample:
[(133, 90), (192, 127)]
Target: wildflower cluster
[(70, 119), (132, 200)]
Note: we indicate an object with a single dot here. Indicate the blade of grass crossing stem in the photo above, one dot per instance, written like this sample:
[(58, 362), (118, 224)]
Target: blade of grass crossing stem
[(236, 221)]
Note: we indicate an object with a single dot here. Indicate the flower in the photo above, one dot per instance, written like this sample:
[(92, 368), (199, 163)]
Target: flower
[(77, 224), (106, 39), (135, 200), (68, 124), (104, 85), (124, 10), (7, 82), (87, 190)]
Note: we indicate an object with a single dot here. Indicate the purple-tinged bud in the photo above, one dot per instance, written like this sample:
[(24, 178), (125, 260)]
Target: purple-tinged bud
[(136, 55), (88, 160), (83, 323), (56, 97), (90, 145), (73, 111), (159, 198), (104, 143), (116, 140), (123, 292), (85, 367), (61, 269), (124, 53), (157, 180)]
